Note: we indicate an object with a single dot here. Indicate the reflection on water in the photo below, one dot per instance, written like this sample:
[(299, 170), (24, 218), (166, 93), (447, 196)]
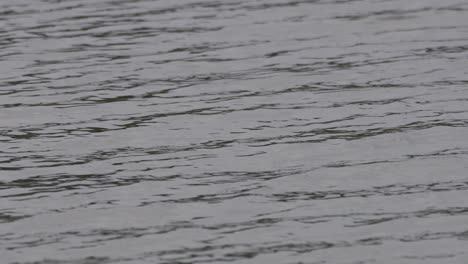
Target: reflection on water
[(268, 131)]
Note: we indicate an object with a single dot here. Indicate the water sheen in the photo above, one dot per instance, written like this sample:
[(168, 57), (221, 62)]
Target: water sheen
[(233, 131)]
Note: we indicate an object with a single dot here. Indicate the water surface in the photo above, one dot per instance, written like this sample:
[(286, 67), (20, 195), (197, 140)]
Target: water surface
[(233, 131)]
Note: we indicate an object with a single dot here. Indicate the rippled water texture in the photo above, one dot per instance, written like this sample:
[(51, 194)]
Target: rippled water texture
[(241, 131)]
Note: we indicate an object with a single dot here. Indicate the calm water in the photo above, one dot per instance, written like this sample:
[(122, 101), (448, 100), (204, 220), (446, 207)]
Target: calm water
[(233, 131)]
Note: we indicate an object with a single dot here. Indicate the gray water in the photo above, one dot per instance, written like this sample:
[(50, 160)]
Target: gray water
[(233, 131)]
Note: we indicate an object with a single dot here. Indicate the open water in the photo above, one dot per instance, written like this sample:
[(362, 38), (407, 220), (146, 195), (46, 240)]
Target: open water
[(233, 131)]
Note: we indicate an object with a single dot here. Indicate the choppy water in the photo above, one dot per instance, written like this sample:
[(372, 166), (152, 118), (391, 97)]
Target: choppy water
[(269, 131)]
